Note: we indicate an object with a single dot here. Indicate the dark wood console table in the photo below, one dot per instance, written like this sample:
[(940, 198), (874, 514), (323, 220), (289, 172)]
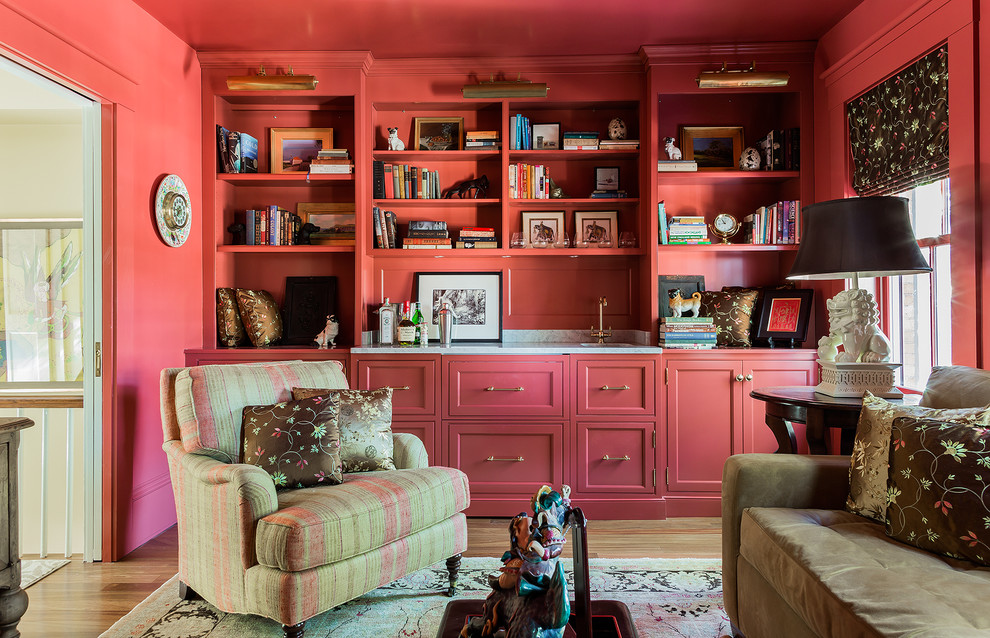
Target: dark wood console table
[(801, 404), (13, 599)]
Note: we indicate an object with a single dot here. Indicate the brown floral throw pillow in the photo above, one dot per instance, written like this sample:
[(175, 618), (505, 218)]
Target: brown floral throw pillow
[(938, 497), (230, 329), (868, 466), (732, 313), (296, 442), (365, 427), (259, 314)]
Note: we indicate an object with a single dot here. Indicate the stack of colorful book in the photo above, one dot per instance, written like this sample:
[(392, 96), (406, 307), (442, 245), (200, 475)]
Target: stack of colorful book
[(618, 145), (580, 141), (481, 141), (332, 160), (687, 333), (426, 234), (477, 237), (686, 229)]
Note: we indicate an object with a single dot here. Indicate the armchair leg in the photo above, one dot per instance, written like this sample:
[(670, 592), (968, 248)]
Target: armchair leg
[(453, 566), (187, 593), (293, 631)]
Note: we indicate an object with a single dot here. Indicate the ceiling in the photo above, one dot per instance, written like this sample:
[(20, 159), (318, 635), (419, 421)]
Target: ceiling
[(476, 28)]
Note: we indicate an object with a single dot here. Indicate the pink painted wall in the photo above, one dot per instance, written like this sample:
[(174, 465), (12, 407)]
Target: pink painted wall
[(149, 82)]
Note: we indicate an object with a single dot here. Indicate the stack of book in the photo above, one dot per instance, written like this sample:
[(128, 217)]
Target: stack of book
[(618, 145), (599, 194), (402, 181), (529, 181), (428, 234), (782, 150), (675, 166), (687, 333), (520, 133), (236, 152), (271, 226), (580, 141), (481, 140), (332, 160), (477, 237), (688, 230), (383, 222), (778, 223)]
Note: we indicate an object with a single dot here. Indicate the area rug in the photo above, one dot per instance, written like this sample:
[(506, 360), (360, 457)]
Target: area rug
[(667, 598), (34, 570)]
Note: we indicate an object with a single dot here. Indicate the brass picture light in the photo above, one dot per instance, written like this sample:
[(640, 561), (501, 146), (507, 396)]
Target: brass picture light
[(725, 78), (264, 82), (505, 88)]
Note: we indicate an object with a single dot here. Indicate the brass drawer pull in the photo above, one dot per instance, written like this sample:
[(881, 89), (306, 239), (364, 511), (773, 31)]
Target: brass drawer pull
[(518, 459), (616, 458), (492, 388), (398, 387), (615, 387)]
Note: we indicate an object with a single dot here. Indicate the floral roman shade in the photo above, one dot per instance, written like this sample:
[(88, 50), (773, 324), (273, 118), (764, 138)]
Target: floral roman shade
[(899, 129)]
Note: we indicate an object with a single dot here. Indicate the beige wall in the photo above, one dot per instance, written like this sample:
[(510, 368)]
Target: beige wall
[(41, 170)]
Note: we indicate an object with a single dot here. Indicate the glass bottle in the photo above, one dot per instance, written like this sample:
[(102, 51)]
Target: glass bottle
[(422, 328), (407, 329), (417, 319), (386, 323)]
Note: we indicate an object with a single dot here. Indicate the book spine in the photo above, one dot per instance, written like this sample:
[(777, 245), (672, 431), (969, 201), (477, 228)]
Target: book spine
[(512, 133), (391, 227), (375, 211), (378, 175), (389, 181), (383, 227), (407, 184), (662, 216), (249, 227)]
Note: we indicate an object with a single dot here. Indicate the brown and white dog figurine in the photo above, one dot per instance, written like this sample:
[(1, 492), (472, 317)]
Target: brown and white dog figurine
[(679, 305)]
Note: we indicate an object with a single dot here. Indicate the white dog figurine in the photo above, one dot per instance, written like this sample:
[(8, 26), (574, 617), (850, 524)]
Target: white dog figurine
[(672, 151), (328, 337), (394, 143), (679, 305)]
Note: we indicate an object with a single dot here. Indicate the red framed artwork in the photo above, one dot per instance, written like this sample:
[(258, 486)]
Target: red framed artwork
[(784, 315)]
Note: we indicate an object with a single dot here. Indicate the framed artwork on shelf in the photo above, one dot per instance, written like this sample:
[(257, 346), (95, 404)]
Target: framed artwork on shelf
[(784, 315), (308, 303), (474, 297), (607, 178), (595, 227), (439, 133), (546, 136), (542, 227), (335, 222), (668, 284), (712, 147), (292, 149)]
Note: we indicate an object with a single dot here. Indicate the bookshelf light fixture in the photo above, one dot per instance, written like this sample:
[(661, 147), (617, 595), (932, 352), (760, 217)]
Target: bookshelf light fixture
[(505, 88), (264, 82), (727, 79)]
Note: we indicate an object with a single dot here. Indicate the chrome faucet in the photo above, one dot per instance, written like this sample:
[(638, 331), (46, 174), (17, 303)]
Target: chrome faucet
[(601, 333)]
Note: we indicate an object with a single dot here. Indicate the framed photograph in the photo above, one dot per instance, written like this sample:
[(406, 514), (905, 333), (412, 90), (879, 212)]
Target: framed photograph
[(784, 314), (439, 133), (546, 136), (294, 148), (308, 303), (474, 297), (712, 147), (543, 225), (595, 226), (667, 284), (607, 178)]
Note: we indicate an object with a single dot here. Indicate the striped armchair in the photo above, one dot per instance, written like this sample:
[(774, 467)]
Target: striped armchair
[(293, 554)]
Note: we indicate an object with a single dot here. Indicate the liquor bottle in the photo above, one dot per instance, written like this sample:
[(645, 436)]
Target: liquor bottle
[(386, 323), (417, 319), (407, 329), (422, 329)]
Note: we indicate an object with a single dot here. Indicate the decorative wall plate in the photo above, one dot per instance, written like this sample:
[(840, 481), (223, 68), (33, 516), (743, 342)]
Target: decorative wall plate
[(173, 211)]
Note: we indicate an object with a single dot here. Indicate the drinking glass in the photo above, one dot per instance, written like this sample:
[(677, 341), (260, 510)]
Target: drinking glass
[(563, 241), (518, 240), (627, 239)]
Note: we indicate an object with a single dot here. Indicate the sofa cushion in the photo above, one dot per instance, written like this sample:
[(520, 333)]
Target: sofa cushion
[(321, 525), (732, 313), (868, 464), (938, 490), (365, 427), (209, 400), (845, 577), (957, 387)]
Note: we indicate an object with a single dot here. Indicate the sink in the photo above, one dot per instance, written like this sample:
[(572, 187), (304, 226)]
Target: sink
[(608, 345)]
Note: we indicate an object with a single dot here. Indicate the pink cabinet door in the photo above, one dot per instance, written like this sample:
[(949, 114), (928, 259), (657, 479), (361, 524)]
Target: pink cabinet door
[(615, 457), (425, 431), (615, 387), (757, 437), (413, 382), (703, 415), (504, 386), (507, 459)]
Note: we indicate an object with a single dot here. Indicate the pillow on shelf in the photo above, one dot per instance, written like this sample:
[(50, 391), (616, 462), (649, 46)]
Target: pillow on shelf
[(365, 427), (230, 329), (758, 304), (296, 442), (260, 316), (868, 464), (937, 495), (732, 313)]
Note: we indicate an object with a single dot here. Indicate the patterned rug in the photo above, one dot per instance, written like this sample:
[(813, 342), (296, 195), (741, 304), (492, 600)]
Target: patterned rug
[(35, 569), (667, 598)]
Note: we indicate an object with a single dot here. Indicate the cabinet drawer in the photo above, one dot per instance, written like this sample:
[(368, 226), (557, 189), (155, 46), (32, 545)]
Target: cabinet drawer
[(505, 387), (615, 457), (626, 387), (413, 383), (422, 429), (507, 459)]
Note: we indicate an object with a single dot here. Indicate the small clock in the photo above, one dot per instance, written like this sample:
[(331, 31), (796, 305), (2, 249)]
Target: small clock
[(725, 226)]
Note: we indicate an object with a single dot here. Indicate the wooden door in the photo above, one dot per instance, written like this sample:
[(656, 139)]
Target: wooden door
[(764, 373)]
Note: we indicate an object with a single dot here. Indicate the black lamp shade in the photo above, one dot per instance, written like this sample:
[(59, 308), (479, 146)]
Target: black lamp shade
[(860, 236)]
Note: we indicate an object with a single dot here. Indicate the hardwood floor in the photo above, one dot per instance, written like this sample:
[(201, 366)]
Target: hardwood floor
[(83, 599)]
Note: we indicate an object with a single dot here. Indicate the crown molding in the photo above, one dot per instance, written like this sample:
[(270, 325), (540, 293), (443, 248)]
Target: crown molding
[(281, 59), (798, 51), (508, 67)]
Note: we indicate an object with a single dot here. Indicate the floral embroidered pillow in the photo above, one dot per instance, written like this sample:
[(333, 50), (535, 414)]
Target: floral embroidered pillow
[(296, 442), (260, 316), (732, 314), (938, 491), (868, 464), (230, 329), (365, 427)]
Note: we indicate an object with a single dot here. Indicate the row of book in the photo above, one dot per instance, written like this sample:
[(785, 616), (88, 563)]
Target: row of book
[(271, 226), (778, 223), (402, 181), (687, 333), (520, 133), (682, 229), (386, 230), (676, 166), (236, 152), (332, 161), (618, 145), (783, 150), (481, 141), (529, 181)]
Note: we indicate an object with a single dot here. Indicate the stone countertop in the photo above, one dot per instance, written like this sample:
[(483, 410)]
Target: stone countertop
[(516, 347)]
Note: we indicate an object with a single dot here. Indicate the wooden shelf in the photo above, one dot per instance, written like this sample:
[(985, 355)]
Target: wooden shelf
[(560, 154), (715, 177), (406, 157), (282, 179), (540, 253), (442, 202), (285, 250), (551, 203), (745, 248)]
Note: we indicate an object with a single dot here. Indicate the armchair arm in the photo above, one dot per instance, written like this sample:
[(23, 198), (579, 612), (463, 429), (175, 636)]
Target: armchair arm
[(408, 452), (774, 480)]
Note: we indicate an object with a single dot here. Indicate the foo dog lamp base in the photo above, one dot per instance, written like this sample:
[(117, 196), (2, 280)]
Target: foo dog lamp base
[(853, 379)]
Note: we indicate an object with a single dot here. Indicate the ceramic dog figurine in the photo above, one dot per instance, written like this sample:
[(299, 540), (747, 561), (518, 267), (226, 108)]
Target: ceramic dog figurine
[(479, 186), (673, 153), (679, 305), (394, 143), (328, 338)]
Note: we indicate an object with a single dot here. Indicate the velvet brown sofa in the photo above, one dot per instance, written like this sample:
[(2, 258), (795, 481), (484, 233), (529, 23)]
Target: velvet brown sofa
[(795, 563)]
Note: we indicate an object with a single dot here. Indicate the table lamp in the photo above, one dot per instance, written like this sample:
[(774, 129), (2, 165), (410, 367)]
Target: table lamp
[(843, 239)]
